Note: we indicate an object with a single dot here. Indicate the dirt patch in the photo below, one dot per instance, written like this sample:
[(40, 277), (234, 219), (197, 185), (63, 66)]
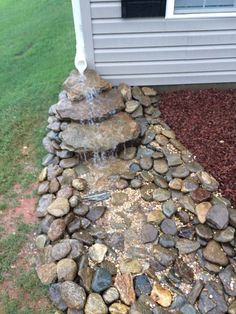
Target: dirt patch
[(204, 121)]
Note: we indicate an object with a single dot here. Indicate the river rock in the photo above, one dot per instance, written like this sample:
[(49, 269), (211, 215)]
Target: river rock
[(204, 232), (173, 160), (160, 166), (164, 256), (124, 284), (69, 162), (186, 246), (167, 241), (225, 235), (142, 285), (161, 295), (148, 233), (160, 181), (59, 207), (43, 204), (56, 229), (218, 217), (195, 291), (60, 250), (180, 172), (213, 253), (128, 153), (176, 184), (101, 280), (202, 210), (168, 226), (97, 252), (73, 295), (189, 185), (228, 279), (130, 266), (118, 308), (131, 106), (208, 182), (161, 195), (66, 269), (43, 187), (79, 184), (78, 87), (47, 273), (95, 213), (200, 195), (147, 191), (55, 296), (103, 136), (169, 208), (95, 305), (155, 216), (110, 295)]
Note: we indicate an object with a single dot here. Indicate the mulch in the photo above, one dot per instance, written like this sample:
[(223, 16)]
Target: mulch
[(205, 122)]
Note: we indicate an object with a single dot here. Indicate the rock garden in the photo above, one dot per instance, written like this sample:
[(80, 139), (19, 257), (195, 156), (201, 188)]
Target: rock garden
[(130, 222)]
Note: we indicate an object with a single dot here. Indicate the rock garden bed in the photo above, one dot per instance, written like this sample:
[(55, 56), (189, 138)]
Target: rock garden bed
[(130, 221)]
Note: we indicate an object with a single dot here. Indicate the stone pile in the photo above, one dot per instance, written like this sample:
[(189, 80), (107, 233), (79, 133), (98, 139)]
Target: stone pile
[(160, 240)]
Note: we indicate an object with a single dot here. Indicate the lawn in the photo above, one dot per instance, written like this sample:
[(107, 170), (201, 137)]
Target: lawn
[(37, 51)]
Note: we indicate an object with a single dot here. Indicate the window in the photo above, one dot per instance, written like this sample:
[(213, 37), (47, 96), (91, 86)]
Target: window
[(200, 8)]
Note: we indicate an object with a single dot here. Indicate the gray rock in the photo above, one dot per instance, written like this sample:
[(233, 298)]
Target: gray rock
[(66, 269), (161, 195), (55, 297), (169, 208), (213, 253), (102, 280), (160, 166), (59, 207), (40, 241), (164, 256), (195, 292), (225, 235), (43, 188), (56, 229), (173, 160), (60, 250), (218, 217), (81, 210), (180, 171), (146, 163), (74, 226), (136, 183), (69, 162), (50, 159), (188, 309), (142, 285), (207, 181), (148, 233), (186, 246), (95, 305), (160, 181), (128, 153), (43, 204), (167, 241), (111, 295), (147, 191), (187, 203), (95, 213), (84, 237), (73, 295), (77, 249), (168, 226), (228, 279)]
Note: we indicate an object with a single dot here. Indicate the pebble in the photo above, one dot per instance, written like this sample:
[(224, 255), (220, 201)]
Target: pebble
[(102, 280), (148, 91), (119, 198), (43, 188), (146, 163), (124, 284), (225, 235), (77, 249), (232, 217), (47, 273), (81, 210), (173, 160), (60, 250), (116, 241), (202, 210), (54, 186), (148, 233), (160, 166), (228, 279), (96, 212), (155, 216), (176, 184), (54, 293), (218, 217), (65, 192), (40, 241), (136, 183), (186, 232), (188, 309), (147, 191), (186, 246), (189, 185), (166, 241), (204, 232), (97, 252), (187, 203), (161, 295), (135, 167), (183, 216), (43, 204), (95, 305), (180, 172), (142, 285), (208, 182), (130, 266), (148, 137), (43, 174), (75, 225), (213, 253), (129, 153), (200, 195), (58, 208), (56, 229), (169, 208), (195, 292), (79, 184), (168, 226), (69, 163), (111, 295), (164, 256), (118, 308), (73, 295), (83, 236), (160, 181), (66, 269), (161, 195), (122, 184)]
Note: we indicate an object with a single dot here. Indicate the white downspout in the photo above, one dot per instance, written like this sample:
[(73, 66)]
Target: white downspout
[(80, 57)]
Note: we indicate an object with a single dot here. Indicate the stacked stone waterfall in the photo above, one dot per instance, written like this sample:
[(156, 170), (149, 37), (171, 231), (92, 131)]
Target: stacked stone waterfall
[(91, 117)]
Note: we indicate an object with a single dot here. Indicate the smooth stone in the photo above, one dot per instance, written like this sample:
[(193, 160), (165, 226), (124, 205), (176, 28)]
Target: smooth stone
[(186, 246), (208, 182), (110, 266), (161, 195), (142, 285), (168, 226), (64, 154), (119, 198), (97, 252), (148, 233), (60, 250), (130, 266), (95, 305), (43, 188), (155, 216), (49, 159), (47, 273), (54, 186), (164, 256), (43, 175), (161, 295), (59, 207), (140, 307), (81, 210), (68, 176), (218, 217), (167, 241), (45, 224), (195, 292), (128, 153), (202, 210), (124, 284), (77, 88), (125, 91), (176, 184), (183, 216), (102, 280), (73, 295), (54, 171), (146, 163), (189, 185), (169, 208), (100, 136), (160, 181), (200, 195), (160, 166), (174, 160), (225, 235), (54, 293), (232, 308), (148, 137), (66, 269), (95, 213), (138, 113), (161, 139), (111, 295), (180, 171), (136, 183), (122, 184), (213, 253), (40, 241), (194, 166), (84, 237), (186, 232), (148, 91), (43, 204), (228, 279), (178, 302), (147, 191), (116, 241), (135, 167), (188, 309), (144, 100), (65, 192), (143, 151), (79, 184), (127, 175), (212, 299), (69, 162), (118, 308), (131, 105), (229, 249), (204, 231), (77, 249), (74, 226), (85, 273), (56, 229), (187, 203)]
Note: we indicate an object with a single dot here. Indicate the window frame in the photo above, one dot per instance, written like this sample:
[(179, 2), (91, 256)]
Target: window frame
[(170, 13)]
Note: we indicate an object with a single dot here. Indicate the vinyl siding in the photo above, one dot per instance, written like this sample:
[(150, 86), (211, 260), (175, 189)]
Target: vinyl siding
[(156, 51)]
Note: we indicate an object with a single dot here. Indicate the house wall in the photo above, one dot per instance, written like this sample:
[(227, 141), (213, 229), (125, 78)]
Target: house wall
[(157, 51)]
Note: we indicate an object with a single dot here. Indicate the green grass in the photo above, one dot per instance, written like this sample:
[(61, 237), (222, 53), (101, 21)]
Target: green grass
[(37, 51)]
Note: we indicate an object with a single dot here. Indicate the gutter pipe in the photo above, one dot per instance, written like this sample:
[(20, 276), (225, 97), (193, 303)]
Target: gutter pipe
[(80, 57)]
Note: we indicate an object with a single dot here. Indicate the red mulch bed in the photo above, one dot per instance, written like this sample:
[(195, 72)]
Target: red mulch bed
[(205, 122)]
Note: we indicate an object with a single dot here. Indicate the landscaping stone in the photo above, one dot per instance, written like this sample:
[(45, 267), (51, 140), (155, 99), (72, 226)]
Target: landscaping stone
[(118, 308), (55, 297), (124, 284), (161, 295), (148, 233), (66, 269), (110, 295), (95, 305), (60, 250), (142, 285), (168, 226), (58, 208), (97, 252), (47, 273), (228, 279), (130, 266), (161, 195), (73, 295), (101, 280), (56, 229), (213, 253), (186, 246), (160, 166), (202, 210), (218, 217)]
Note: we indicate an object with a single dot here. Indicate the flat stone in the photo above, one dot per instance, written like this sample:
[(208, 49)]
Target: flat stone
[(200, 195), (148, 233), (74, 226), (66, 269), (43, 204), (167, 241), (149, 91), (169, 208), (186, 246), (202, 210), (204, 231), (116, 241), (195, 292), (130, 266), (111, 295), (160, 181), (186, 232), (218, 217), (155, 216), (69, 162), (78, 87), (160, 166), (55, 296), (168, 226), (81, 210), (176, 184), (124, 284), (98, 137), (188, 309), (136, 183), (102, 280), (79, 184), (96, 212), (101, 107), (225, 235), (189, 185), (73, 295), (187, 203), (56, 229), (43, 188), (164, 256), (131, 105), (228, 279), (95, 305), (142, 285), (83, 236), (213, 253), (180, 172), (147, 191), (77, 249), (118, 308), (43, 174), (208, 182), (59, 207), (161, 195), (161, 295), (85, 273), (97, 252), (232, 217), (174, 160), (60, 250), (119, 198), (65, 192), (146, 163), (47, 273)]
